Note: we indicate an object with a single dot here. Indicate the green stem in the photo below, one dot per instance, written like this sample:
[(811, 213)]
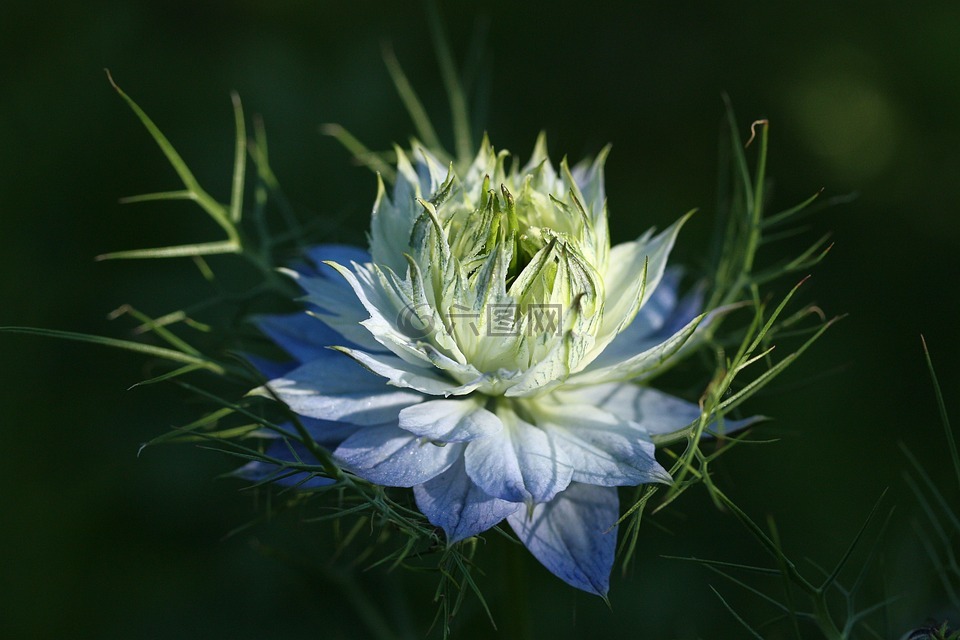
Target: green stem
[(756, 215), (824, 620)]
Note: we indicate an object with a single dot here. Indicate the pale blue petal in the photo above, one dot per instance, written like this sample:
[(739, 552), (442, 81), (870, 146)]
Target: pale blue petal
[(332, 300), (387, 318), (656, 412), (281, 449), (334, 387), (451, 420), (389, 456), (392, 221), (604, 449), (655, 323), (521, 463), (654, 314), (574, 536), (453, 502), (688, 308)]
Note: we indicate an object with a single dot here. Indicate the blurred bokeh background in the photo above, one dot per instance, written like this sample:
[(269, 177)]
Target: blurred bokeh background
[(863, 98)]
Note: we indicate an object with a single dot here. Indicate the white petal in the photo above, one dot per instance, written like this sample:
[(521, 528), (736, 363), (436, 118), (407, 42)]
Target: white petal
[(401, 373), (450, 420), (624, 277), (333, 387), (452, 501), (392, 457), (615, 366), (574, 536), (521, 463)]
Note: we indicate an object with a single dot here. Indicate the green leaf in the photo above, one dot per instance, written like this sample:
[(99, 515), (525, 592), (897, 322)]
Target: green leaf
[(210, 205), (239, 161), (179, 251), (364, 156), (136, 347), (944, 418), (418, 114), (733, 612), (451, 81)]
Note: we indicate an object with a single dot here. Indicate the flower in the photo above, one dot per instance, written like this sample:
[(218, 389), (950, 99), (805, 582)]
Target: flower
[(487, 352)]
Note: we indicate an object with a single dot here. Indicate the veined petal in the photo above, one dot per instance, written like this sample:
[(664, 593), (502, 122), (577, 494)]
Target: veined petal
[(521, 463), (550, 371), (389, 456), (453, 502), (603, 448), (333, 387), (451, 420), (574, 536)]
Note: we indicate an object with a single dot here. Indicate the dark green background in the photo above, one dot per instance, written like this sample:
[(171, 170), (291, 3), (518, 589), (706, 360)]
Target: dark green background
[(863, 97)]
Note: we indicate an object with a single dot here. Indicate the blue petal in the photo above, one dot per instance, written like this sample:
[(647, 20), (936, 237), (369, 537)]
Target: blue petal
[(389, 456), (521, 463), (334, 387), (331, 298), (452, 501), (268, 368), (339, 253), (574, 536), (288, 451), (303, 336)]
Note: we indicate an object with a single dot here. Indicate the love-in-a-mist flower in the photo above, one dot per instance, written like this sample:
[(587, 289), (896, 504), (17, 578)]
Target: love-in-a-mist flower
[(489, 352)]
